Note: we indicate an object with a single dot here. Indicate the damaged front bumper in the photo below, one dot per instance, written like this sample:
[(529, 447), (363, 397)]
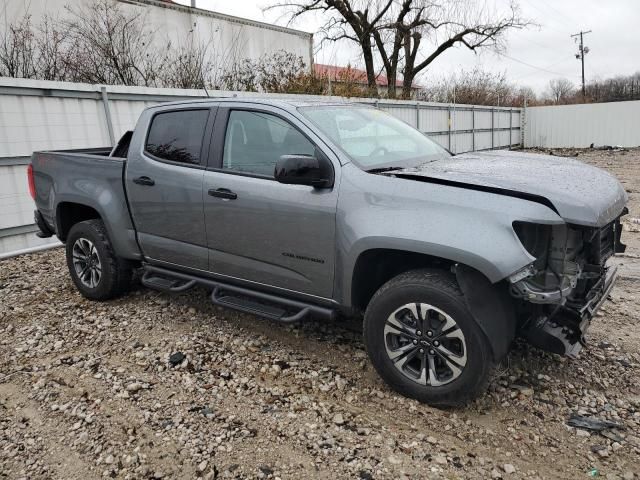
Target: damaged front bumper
[(564, 331), (569, 280)]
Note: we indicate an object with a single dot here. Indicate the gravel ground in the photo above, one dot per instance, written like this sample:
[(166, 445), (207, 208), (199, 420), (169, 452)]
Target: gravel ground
[(160, 386)]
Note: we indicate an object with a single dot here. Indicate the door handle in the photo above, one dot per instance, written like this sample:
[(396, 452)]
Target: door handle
[(223, 193), (144, 181)]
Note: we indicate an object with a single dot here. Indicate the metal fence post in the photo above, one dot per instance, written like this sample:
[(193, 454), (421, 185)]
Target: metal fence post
[(418, 115), (449, 112), (107, 112), (492, 127), (473, 128), (523, 124), (510, 128)]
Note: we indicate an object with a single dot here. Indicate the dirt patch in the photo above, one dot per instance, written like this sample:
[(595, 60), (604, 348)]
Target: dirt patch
[(90, 390)]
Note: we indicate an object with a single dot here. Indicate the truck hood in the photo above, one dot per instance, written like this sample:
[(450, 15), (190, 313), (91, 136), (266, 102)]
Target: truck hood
[(580, 193)]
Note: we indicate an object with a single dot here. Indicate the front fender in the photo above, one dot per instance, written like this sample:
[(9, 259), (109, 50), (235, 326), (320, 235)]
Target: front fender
[(462, 226)]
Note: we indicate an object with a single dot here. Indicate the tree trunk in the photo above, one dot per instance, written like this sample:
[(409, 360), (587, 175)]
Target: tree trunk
[(407, 82), (367, 52), (391, 86)]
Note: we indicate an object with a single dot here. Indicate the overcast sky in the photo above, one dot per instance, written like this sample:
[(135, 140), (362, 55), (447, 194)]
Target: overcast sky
[(533, 56)]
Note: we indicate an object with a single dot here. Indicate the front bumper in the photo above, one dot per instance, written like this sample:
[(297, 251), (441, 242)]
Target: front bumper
[(600, 291), (564, 334), (597, 296)]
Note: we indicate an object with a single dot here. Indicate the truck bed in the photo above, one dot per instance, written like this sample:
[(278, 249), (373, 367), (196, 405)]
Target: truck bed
[(86, 177), (96, 151)]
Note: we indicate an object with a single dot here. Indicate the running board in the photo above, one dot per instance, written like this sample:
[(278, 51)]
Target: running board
[(165, 283), (274, 307)]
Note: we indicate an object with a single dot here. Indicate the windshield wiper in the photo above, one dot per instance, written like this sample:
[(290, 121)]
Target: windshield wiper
[(384, 169)]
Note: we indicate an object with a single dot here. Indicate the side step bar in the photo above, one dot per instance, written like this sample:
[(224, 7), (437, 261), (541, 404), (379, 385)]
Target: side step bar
[(273, 307), (161, 282)]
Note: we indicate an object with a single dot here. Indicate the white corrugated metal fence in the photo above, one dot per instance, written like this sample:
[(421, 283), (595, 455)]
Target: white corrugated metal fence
[(580, 126)]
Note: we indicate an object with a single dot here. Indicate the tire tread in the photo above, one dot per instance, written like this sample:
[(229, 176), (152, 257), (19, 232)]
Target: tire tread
[(120, 269)]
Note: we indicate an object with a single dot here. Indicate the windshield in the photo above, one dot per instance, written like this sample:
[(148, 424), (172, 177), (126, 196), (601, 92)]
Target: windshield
[(372, 138)]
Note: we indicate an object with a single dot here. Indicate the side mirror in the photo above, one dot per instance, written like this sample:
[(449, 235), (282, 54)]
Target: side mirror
[(304, 170)]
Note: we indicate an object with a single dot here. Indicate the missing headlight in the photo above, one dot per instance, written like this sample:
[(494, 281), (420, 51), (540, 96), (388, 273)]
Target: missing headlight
[(534, 237)]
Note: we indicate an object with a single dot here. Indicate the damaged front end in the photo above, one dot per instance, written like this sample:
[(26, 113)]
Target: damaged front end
[(562, 289)]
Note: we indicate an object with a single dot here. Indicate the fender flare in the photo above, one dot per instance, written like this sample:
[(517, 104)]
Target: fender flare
[(491, 307)]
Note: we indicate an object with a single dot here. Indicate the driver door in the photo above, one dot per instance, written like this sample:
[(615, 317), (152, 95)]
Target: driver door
[(259, 230)]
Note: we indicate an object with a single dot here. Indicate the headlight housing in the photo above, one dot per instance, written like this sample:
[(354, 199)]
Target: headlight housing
[(535, 237)]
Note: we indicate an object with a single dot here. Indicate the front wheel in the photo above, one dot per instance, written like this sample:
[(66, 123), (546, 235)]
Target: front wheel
[(97, 272), (424, 342)]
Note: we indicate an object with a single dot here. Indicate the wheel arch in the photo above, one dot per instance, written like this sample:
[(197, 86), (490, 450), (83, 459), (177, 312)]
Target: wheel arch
[(376, 266), (489, 303), (114, 214), (70, 213), (373, 261)]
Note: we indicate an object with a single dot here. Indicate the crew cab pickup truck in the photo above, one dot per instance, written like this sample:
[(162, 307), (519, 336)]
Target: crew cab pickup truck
[(295, 209)]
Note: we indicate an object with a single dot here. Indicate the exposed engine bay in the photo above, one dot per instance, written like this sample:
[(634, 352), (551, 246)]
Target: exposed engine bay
[(567, 282)]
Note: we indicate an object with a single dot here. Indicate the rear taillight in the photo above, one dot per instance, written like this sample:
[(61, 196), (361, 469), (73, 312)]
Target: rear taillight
[(32, 183)]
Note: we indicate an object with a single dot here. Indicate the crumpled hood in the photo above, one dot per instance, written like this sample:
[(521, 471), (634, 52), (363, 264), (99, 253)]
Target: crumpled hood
[(580, 193)]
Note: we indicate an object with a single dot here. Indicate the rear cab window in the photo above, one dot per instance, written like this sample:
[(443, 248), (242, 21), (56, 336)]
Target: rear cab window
[(177, 136)]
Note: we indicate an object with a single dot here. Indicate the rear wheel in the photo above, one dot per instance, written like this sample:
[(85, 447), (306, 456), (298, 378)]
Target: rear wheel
[(424, 342), (94, 267)]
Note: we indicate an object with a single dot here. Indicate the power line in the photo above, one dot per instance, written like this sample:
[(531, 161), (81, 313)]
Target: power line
[(538, 44), (545, 68), (529, 65), (557, 11), (546, 15)]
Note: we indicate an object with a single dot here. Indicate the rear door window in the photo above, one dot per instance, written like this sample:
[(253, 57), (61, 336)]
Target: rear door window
[(177, 136)]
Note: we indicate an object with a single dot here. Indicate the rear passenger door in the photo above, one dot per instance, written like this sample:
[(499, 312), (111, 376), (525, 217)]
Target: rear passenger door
[(163, 179), (258, 229)]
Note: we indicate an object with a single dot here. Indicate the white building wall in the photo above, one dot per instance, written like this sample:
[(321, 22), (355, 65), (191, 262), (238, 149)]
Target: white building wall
[(224, 35), (579, 126)]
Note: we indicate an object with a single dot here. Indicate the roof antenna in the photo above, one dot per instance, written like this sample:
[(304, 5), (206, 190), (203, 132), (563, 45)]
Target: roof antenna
[(205, 90)]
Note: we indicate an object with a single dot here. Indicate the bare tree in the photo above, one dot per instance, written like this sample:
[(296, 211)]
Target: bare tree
[(616, 89), (402, 30), (525, 94), (51, 45), (354, 20), (112, 46), (477, 87), (240, 76), (18, 50), (188, 67), (561, 90), (279, 72)]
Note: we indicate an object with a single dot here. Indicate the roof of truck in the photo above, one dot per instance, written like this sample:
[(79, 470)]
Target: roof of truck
[(287, 103)]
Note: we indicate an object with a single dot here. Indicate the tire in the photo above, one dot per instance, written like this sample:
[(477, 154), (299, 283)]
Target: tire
[(393, 333), (111, 275)]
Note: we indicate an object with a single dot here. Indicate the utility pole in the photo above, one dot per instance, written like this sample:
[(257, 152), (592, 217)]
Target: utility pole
[(582, 51)]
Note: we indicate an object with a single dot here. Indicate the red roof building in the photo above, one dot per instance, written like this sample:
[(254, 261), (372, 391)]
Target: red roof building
[(349, 74), (356, 75)]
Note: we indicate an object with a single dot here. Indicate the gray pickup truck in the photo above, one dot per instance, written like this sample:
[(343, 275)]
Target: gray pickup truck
[(295, 209)]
